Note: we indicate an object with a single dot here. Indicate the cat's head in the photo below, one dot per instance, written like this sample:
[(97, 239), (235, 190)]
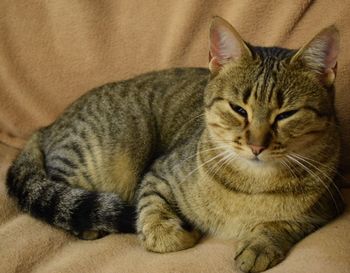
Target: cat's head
[(270, 103)]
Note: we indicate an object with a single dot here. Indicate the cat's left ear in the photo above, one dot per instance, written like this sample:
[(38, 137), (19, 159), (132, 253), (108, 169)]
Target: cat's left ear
[(226, 44), (320, 54)]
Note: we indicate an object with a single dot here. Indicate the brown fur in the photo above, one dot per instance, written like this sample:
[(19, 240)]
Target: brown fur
[(248, 150)]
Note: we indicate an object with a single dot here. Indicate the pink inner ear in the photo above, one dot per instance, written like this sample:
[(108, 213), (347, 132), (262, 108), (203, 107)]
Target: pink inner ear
[(322, 52), (331, 54), (224, 46)]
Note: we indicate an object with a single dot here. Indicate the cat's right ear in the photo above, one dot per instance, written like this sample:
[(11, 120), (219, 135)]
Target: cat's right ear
[(320, 55), (226, 44)]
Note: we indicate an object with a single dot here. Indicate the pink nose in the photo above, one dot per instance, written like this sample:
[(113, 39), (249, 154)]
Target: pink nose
[(256, 149)]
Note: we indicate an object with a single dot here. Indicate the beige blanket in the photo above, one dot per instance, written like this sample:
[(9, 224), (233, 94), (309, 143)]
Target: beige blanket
[(51, 52)]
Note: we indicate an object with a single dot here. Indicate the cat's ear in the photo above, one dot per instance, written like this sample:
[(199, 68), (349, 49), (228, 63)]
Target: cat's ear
[(225, 44), (320, 54)]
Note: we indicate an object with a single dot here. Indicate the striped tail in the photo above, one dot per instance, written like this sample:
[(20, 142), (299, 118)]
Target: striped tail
[(74, 209)]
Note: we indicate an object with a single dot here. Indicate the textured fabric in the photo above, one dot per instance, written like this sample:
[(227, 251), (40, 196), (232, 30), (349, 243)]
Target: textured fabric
[(51, 52)]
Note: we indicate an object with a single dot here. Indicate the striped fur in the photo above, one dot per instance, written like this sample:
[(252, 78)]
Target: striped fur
[(60, 204), (245, 150)]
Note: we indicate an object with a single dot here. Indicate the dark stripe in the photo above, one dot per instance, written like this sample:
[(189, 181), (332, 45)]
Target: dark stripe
[(260, 72), (92, 131), (185, 223), (57, 178), (161, 178), (256, 89), (246, 94), (75, 147), (150, 193), (82, 216), (11, 181), (85, 124), (271, 89), (280, 98), (45, 207), (88, 179), (144, 206), (166, 106), (93, 158), (57, 138), (65, 161), (126, 221), (59, 171)]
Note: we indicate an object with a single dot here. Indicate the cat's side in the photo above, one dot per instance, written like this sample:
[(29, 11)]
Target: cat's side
[(247, 149)]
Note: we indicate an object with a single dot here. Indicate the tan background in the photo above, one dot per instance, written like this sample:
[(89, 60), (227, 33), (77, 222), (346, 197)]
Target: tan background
[(51, 52)]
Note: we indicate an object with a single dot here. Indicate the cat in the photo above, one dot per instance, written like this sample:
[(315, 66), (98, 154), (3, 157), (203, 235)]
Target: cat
[(246, 149)]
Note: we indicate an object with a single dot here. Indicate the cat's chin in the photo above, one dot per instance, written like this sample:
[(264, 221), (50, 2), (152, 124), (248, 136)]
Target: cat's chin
[(258, 162), (262, 161)]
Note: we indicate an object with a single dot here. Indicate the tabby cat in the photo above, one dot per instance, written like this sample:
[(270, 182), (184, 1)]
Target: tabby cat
[(247, 149)]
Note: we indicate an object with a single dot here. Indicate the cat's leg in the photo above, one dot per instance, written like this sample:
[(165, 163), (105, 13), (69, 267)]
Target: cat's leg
[(160, 227), (268, 244)]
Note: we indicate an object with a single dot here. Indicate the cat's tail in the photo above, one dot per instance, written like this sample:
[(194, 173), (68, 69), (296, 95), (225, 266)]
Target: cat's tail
[(74, 209)]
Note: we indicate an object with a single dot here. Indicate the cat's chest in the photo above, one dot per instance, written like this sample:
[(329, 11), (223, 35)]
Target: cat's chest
[(229, 214)]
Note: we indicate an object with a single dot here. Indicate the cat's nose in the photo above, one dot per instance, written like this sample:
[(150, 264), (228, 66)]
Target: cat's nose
[(257, 149)]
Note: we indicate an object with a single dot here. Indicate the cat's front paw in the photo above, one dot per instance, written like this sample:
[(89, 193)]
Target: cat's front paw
[(256, 256), (167, 236)]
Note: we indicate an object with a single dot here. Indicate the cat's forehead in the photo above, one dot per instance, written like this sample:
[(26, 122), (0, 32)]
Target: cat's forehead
[(272, 53), (271, 82), (268, 79), (268, 83)]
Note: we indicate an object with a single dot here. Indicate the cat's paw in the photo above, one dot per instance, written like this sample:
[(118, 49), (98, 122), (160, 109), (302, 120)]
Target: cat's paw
[(256, 256), (167, 236)]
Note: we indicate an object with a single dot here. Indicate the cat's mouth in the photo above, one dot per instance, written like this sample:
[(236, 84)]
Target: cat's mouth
[(261, 159), (252, 158), (256, 159)]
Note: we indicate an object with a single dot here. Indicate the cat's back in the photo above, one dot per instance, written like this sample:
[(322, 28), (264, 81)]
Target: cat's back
[(169, 96), (124, 124)]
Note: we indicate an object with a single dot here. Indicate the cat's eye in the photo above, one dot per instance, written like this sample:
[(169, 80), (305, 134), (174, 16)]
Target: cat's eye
[(239, 110), (285, 115)]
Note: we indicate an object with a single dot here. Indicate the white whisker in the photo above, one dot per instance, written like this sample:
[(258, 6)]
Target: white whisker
[(206, 162), (191, 119), (315, 176), (307, 161), (218, 167), (196, 153), (289, 168)]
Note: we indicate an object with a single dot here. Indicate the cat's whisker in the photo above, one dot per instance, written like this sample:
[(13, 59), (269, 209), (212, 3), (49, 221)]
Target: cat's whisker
[(227, 159), (232, 158), (315, 176), (312, 165), (192, 119), (321, 172), (312, 160), (201, 165), (333, 170), (217, 166), (289, 168), (198, 152)]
